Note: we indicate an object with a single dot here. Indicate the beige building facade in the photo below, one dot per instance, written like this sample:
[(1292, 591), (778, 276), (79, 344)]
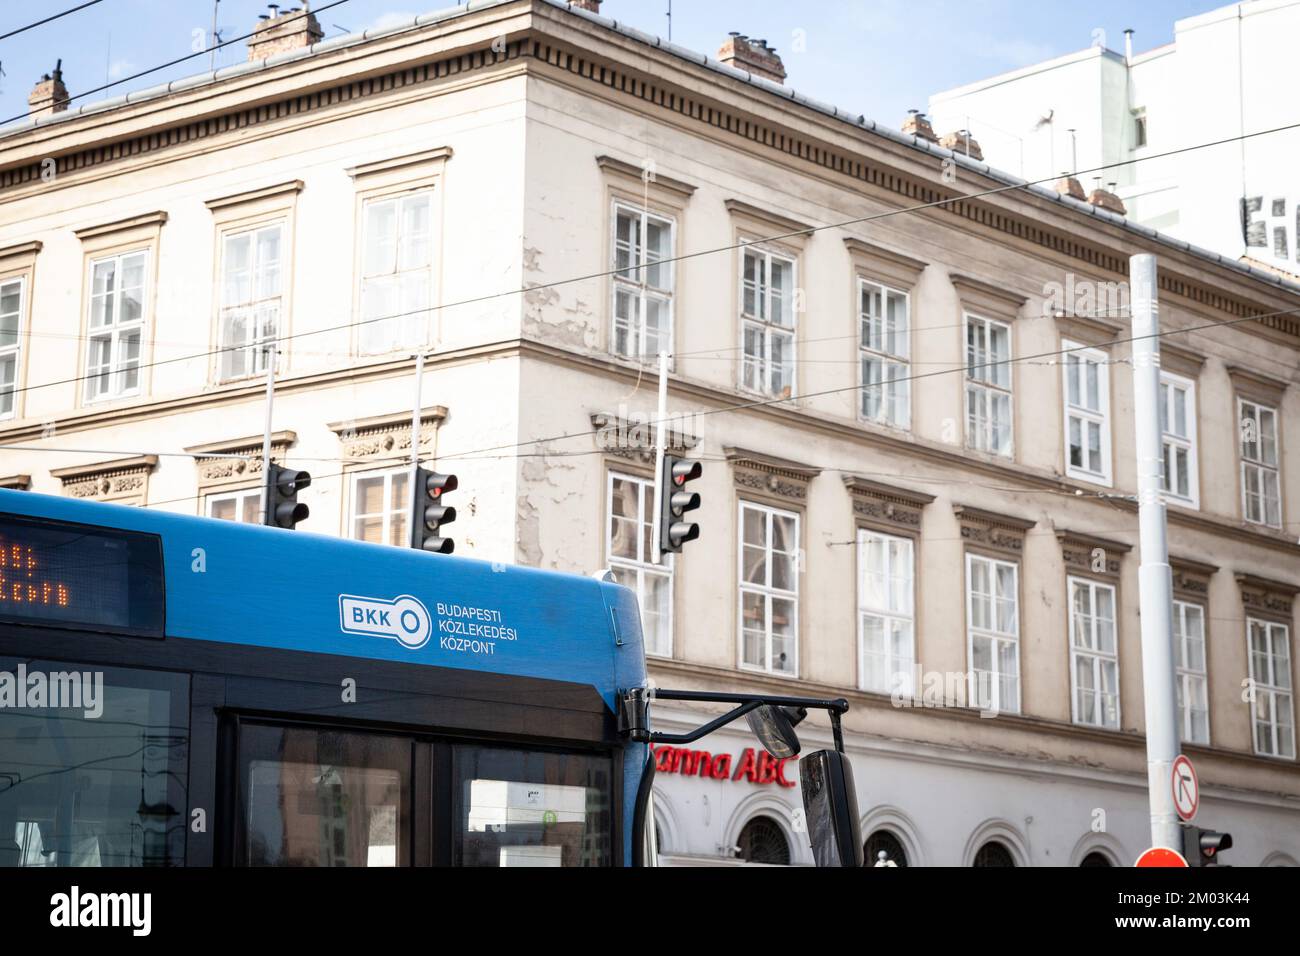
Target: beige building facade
[(914, 409)]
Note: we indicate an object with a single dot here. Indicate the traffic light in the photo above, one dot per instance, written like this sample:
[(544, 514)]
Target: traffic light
[(675, 502), (283, 509), (430, 513), (1201, 847)]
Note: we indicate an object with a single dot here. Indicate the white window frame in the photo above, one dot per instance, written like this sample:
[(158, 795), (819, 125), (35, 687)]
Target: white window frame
[(1257, 464), (1078, 358), (761, 366), (636, 286), (894, 666), (979, 386), (1093, 653), (1281, 694), (264, 315), (973, 697), (116, 331), (1168, 438), (388, 474), (643, 565), (895, 388), (13, 351), (1188, 676), (238, 497), (766, 589), (408, 331)]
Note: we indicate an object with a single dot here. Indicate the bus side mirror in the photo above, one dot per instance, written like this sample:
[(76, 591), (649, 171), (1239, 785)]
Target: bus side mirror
[(831, 808), (774, 728)]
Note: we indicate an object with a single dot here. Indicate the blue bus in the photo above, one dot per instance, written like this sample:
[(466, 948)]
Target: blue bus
[(179, 691)]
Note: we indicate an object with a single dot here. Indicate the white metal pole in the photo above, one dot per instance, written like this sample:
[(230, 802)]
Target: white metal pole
[(415, 448), (660, 490), (271, 352), (1155, 585)]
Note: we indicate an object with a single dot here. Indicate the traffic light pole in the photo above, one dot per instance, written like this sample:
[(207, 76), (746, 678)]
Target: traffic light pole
[(1155, 585), (660, 490), (412, 482), (266, 432)]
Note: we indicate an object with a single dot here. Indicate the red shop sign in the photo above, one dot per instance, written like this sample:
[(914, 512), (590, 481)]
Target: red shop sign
[(754, 766)]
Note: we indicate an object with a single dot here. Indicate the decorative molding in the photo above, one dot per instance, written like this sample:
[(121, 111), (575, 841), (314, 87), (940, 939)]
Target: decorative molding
[(215, 472), (21, 249), (1254, 386), (986, 299), (789, 230), (1080, 553), (155, 219), (432, 156), (1087, 330), (1265, 596), (991, 530), (885, 264), (1180, 360), (16, 482), (635, 440), (288, 189), (765, 473), (618, 167), (123, 480), (385, 436), (1192, 578), (881, 503)]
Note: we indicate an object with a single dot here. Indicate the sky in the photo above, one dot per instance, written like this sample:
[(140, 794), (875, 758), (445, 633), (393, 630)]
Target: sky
[(876, 57)]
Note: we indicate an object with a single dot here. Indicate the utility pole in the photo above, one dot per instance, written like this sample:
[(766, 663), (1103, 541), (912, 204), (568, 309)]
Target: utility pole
[(269, 351), (212, 38), (660, 490), (416, 409), (1155, 584)]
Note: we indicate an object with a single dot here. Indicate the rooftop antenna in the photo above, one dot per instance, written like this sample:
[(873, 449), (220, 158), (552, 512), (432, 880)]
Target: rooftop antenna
[(670, 21), (213, 37)]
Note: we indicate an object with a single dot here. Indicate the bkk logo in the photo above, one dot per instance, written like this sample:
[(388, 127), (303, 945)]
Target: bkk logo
[(405, 619)]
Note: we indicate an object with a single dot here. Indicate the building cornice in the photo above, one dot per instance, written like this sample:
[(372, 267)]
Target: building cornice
[(286, 189), (142, 221), (656, 180)]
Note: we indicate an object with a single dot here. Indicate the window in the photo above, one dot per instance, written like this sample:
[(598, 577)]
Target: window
[(1094, 664), (116, 326), (1096, 858), (993, 853), (532, 808), (767, 322), (323, 798), (1260, 479), (1270, 673), (242, 506), (883, 317), (884, 848), (769, 588), (886, 651), (1139, 128), (251, 281), (988, 385), (86, 788), (1087, 414), (1178, 438), (11, 317), (762, 840), (396, 273), (629, 546), (1189, 657), (379, 504), (643, 283), (993, 633)]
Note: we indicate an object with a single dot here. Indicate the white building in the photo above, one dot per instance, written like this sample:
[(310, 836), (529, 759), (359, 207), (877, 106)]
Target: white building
[(873, 511), (1227, 73)]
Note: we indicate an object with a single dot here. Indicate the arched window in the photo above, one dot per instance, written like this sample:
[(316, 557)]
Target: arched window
[(884, 841), (994, 853), (763, 841), (1096, 858)]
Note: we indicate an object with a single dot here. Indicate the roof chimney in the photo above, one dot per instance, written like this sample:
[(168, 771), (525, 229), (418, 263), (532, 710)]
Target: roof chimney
[(1107, 200), (962, 142), (281, 32), (591, 6), (917, 125), (1067, 185), (753, 56), (49, 95)]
